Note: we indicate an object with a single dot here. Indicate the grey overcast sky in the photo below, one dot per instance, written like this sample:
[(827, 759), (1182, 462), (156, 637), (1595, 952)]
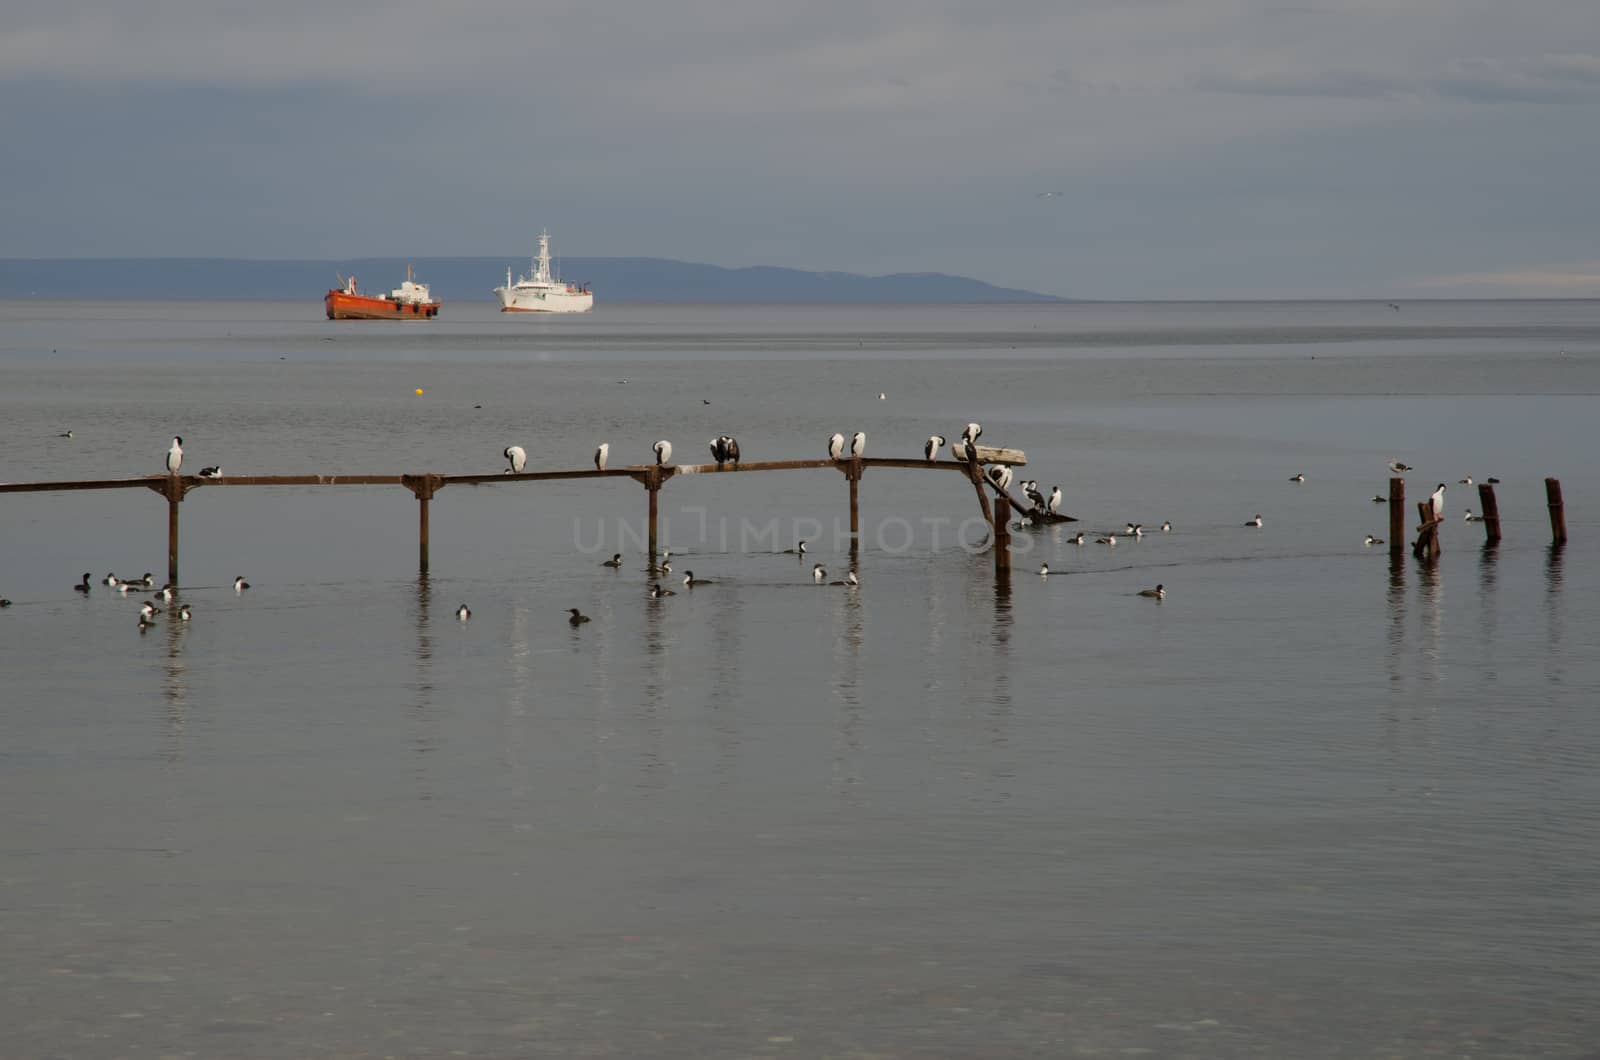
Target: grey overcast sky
[(1202, 148)]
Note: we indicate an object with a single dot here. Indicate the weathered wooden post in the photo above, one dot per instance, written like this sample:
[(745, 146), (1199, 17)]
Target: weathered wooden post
[(1558, 513), (1491, 513), (424, 487), (1428, 533), (854, 475), (1397, 515), (652, 482), (1002, 536), (172, 488)]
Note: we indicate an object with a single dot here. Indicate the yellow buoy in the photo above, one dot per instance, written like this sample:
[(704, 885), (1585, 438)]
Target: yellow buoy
[(419, 391)]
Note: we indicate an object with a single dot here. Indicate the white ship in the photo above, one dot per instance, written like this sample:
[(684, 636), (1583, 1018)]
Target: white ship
[(539, 293)]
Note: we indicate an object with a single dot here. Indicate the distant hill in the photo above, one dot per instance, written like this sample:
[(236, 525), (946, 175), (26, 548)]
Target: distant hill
[(613, 280)]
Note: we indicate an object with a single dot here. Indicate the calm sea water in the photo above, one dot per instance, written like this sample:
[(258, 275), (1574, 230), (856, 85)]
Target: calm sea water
[(1310, 805)]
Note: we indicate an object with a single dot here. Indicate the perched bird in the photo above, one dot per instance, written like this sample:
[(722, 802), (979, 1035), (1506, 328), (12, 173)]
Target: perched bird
[(175, 456), (657, 591), (1256, 522), (725, 449), (934, 444), (214, 471), (969, 442), (1378, 498), (690, 581), (1297, 478), (1158, 593), (1030, 489), (1437, 500), (518, 457), (1399, 467), (600, 454), (663, 450), (818, 573), (239, 584), (464, 612), (1000, 476), (858, 443), (1166, 528), (183, 613), (1374, 540), (1466, 481), (578, 617), (83, 586), (1053, 505), (614, 562)]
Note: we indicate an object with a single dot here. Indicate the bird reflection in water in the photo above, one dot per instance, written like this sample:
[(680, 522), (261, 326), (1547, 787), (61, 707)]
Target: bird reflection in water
[(424, 735), (847, 758)]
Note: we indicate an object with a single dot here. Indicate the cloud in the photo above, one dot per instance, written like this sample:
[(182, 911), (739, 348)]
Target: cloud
[(1580, 280)]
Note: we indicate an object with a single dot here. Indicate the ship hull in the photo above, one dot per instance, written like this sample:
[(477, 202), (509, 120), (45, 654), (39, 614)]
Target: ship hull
[(544, 302), (341, 305)]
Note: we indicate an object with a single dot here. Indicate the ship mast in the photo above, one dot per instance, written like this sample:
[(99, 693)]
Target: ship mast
[(544, 256)]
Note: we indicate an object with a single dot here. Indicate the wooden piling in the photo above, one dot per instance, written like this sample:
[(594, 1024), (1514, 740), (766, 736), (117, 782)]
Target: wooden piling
[(1558, 513), (1491, 513), (173, 500), (1002, 539), (653, 484), (854, 475), (1427, 544), (1397, 515)]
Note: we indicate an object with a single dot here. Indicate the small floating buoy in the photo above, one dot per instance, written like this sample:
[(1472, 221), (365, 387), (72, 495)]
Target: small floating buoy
[(419, 391)]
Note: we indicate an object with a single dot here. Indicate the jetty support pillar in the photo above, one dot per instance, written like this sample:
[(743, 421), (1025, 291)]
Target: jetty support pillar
[(1491, 514), (1397, 515), (1558, 512), (424, 487)]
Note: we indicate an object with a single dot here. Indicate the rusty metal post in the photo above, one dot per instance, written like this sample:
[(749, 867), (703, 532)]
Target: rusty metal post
[(424, 487), (1491, 513), (1397, 515), (653, 484), (1558, 512)]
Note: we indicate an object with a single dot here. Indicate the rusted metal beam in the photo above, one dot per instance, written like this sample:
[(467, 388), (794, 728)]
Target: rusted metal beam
[(1558, 511), (1397, 515)]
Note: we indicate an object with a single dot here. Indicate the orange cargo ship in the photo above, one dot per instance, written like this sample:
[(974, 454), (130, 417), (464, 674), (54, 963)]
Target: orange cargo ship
[(409, 301)]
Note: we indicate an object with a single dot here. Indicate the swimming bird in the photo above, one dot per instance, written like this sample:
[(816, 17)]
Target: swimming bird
[(149, 609), (83, 586), (690, 581), (109, 579), (166, 592), (239, 584), (851, 580), (1109, 539), (663, 450), (657, 591), (1049, 195), (1466, 481), (602, 451), (882, 396), (518, 457), (1077, 539), (184, 614), (836, 446), (1044, 570), (661, 568), (931, 449), (127, 587), (1437, 500), (64, 434), (1297, 478), (1053, 505), (1256, 522), (614, 562), (818, 573), (1491, 480), (464, 612), (4, 602), (1166, 528), (1000, 475), (175, 456), (1137, 530), (1374, 540), (1378, 498), (1158, 593), (1399, 467), (214, 471), (147, 581), (1472, 518), (578, 617), (858, 443), (798, 550)]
